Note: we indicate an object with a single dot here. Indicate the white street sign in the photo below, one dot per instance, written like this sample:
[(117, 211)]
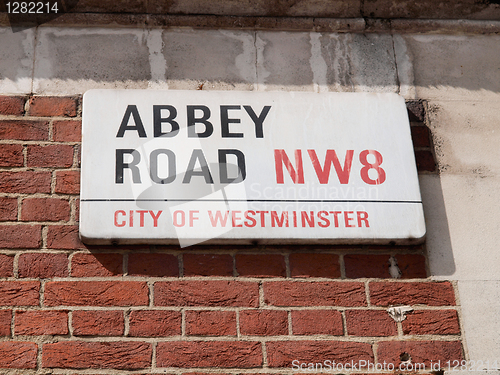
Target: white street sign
[(241, 167)]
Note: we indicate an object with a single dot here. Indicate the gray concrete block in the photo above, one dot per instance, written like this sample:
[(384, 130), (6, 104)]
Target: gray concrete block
[(404, 63), (70, 61), (480, 302), (461, 204), (16, 60), (284, 61), (438, 237), (456, 67), (358, 62), (373, 63), (466, 136), (209, 59), (462, 226), (325, 62)]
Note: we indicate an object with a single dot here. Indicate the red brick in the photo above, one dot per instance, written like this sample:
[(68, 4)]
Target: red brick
[(96, 293), (440, 322), (25, 182), (43, 265), (263, 322), (367, 265), (67, 182), (260, 265), (14, 354), (20, 236), (332, 293), (412, 293), (317, 322), (97, 355), (147, 264), (41, 323), (207, 293), (370, 323), (420, 351), (420, 136), (283, 353), (45, 209), (24, 130), (11, 155), (98, 323), (412, 266), (19, 293), (12, 105), (425, 161), (6, 265), (48, 106), (225, 354), (8, 209), (63, 237), (5, 320), (211, 323), (96, 265), (208, 265), (67, 131), (314, 265), (50, 156), (155, 323)]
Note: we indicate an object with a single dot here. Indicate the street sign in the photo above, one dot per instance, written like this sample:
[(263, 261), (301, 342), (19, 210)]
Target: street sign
[(244, 167)]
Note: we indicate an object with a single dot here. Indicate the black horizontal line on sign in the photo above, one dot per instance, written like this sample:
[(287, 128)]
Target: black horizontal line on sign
[(247, 200)]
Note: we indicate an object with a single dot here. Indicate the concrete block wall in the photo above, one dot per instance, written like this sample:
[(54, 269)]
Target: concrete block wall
[(68, 61), (69, 307)]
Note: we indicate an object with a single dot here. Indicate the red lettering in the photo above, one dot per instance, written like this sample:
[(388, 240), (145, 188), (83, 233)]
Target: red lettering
[(275, 220), (234, 218), (122, 223), (322, 215), (192, 218), (155, 217), (363, 216), (141, 217), (252, 222), (363, 156), (331, 158), (280, 158), (336, 217), (218, 218), (262, 218), (176, 220), (310, 220), (348, 219)]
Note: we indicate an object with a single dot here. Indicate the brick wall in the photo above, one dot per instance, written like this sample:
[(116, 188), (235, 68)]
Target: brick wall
[(159, 309)]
